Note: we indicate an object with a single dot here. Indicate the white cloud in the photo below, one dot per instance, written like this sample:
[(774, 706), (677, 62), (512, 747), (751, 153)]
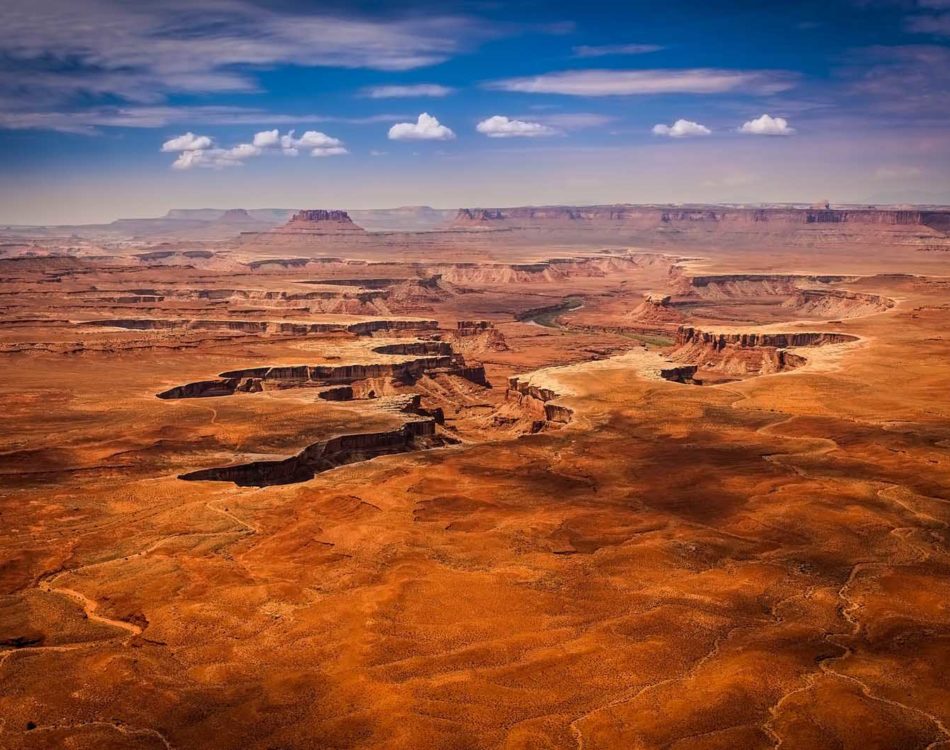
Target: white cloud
[(414, 90), (586, 50), (215, 158), (288, 144), (633, 82), (267, 138), (243, 151), (329, 151), (767, 125), (316, 139), (319, 144), (500, 126), (187, 142), (198, 151), (426, 128), (681, 129)]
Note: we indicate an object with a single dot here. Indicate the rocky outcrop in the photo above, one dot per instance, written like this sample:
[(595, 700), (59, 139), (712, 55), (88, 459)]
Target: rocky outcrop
[(655, 315), (285, 328), (743, 354), (747, 286), (436, 358), (327, 454), (657, 216), (320, 222), (687, 335), (554, 269), (791, 291), (538, 402), (681, 374), (684, 225), (834, 303), (478, 337)]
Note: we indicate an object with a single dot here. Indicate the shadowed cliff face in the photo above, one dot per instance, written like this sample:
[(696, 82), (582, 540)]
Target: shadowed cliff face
[(353, 382), (326, 455)]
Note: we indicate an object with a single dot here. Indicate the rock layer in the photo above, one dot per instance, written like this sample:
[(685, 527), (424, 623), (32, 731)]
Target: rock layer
[(320, 222)]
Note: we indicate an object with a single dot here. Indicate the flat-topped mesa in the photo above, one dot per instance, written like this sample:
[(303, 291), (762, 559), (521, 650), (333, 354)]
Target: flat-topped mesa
[(744, 354), (686, 335), (433, 358), (835, 303), (747, 285), (319, 221), (719, 218)]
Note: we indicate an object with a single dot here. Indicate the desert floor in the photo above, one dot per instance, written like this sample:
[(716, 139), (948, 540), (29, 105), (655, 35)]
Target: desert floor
[(760, 561)]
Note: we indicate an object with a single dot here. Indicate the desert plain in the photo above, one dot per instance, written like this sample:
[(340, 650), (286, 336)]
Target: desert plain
[(563, 478)]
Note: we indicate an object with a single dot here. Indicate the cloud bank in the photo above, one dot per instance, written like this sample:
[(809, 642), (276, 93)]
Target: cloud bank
[(200, 151)]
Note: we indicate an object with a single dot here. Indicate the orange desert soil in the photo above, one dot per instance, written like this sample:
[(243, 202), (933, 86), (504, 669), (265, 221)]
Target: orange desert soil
[(475, 489)]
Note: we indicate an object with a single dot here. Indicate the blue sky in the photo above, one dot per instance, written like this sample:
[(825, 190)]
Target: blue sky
[(116, 109)]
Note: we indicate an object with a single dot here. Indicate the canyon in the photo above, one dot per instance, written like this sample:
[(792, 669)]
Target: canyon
[(544, 477)]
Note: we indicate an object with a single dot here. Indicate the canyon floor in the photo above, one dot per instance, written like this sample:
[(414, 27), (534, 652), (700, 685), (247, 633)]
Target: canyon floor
[(475, 490)]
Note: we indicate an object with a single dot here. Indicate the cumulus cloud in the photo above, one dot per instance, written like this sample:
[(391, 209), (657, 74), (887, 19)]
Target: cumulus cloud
[(316, 139), (199, 151), (243, 151), (317, 143), (425, 128), (215, 158), (267, 138), (500, 126), (586, 50), (634, 82), (767, 125), (681, 129), (414, 90), (187, 142)]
